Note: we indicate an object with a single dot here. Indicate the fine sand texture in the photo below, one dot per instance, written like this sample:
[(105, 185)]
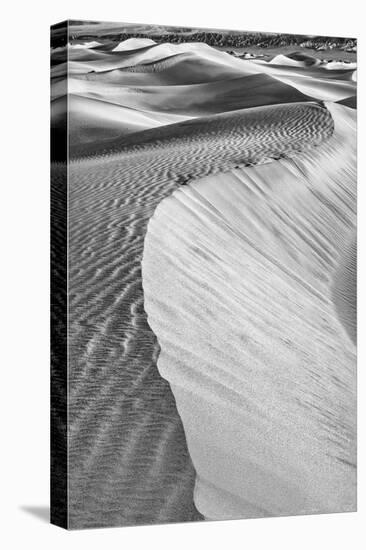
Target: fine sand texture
[(250, 339), (234, 182)]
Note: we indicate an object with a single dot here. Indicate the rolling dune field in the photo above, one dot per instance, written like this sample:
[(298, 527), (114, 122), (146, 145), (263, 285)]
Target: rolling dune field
[(211, 277)]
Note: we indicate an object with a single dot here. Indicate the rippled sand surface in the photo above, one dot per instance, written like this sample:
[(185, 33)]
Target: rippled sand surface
[(146, 120)]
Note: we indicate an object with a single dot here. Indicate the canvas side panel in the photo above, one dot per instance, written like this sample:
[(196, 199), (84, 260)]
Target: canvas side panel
[(59, 444)]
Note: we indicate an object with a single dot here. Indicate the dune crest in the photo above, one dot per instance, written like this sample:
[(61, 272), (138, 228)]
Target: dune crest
[(295, 60), (245, 136), (259, 364), (133, 44), (154, 85)]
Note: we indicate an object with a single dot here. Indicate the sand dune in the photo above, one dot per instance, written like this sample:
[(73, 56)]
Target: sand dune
[(340, 65), (299, 59), (150, 106), (194, 99), (145, 120), (321, 89), (138, 465), (168, 83), (324, 81), (133, 44), (88, 45), (319, 71), (318, 82), (94, 121), (249, 141), (295, 60), (250, 340), (149, 54), (183, 68)]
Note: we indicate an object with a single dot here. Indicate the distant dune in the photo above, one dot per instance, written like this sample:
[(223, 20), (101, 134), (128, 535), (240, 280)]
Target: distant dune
[(193, 99), (295, 60), (133, 44), (140, 84), (181, 68), (84, 61)]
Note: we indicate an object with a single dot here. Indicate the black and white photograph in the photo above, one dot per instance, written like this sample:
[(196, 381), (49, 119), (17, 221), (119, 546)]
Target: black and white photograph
[(182, 269), (204, 243)]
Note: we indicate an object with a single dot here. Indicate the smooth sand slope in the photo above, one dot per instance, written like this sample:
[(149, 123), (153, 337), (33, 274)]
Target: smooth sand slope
[(99, 110), (84, 61), (193, 99), (260, 364), (323, 81), (345, 287), (93, 120), (133, 44), (187, 67)]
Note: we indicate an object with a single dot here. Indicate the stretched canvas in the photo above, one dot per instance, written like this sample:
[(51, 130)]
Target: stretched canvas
[(203, 262)]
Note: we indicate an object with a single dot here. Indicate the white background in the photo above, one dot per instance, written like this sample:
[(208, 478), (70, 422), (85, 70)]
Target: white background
[(24, 489)]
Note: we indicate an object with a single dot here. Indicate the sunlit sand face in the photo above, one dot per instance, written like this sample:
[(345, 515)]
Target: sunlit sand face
[(252, 342)]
